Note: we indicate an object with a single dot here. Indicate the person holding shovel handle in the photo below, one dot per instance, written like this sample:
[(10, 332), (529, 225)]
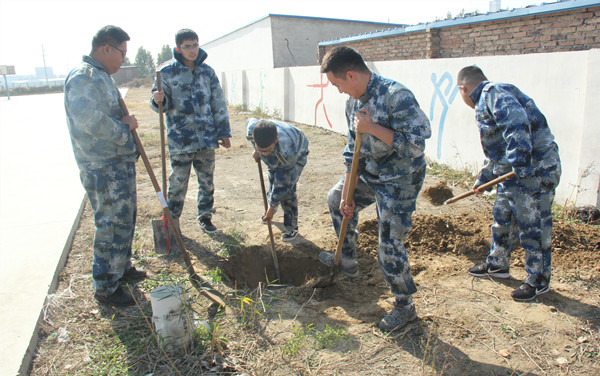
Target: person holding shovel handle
[(515, 137), (197, 123), (391, 172), (284, 149), (106, 155)]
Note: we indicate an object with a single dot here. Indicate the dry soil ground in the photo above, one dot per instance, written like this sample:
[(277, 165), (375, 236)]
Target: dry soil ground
[(467, 326)]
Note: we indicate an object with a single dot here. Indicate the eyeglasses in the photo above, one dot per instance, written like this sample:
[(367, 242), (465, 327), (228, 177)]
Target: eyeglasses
[(123, 53), (190, 46), (266, 151)]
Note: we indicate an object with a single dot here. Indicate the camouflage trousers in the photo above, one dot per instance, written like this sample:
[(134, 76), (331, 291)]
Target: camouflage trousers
[(113, 197), (289, 202), (395, 204), (204, 165), (527, 217)]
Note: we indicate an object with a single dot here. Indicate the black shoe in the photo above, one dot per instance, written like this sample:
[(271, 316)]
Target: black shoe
[(288, 236), (118, 298), (207, 226), (483, 270), (526, 292), (134, 274)]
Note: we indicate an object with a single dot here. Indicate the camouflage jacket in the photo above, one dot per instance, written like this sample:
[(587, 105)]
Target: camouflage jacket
[(514, 133), (290, 153), (98, 136), (392, 106), (194, 105)]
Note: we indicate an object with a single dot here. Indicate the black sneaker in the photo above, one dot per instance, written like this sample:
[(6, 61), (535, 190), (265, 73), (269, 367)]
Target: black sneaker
[(288, 236), (207, 226), (118, 298), (134, 274), (526, 292), (483, 270)]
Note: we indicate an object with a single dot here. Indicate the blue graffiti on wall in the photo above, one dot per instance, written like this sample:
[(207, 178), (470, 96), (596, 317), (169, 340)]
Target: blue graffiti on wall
[(450, 92)]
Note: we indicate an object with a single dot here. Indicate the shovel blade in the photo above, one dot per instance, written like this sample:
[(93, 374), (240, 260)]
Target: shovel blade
[(326, 280), (160, 238)]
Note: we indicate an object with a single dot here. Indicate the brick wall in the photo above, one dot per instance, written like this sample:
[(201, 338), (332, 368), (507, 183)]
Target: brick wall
[(571, 30)]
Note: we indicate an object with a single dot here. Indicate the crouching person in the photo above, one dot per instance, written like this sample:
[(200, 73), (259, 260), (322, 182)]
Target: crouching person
[(284, 150)]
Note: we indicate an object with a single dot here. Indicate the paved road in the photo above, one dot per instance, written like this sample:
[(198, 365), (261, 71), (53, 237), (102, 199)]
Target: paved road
[(40, 197)]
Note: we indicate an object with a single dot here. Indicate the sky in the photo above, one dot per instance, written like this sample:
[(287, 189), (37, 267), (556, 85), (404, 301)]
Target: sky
[(57, 33)]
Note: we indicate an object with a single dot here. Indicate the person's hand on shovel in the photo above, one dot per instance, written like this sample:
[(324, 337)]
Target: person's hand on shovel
[(131, 121), (158, 97), (346, 210), (225, 142), (269, 214)]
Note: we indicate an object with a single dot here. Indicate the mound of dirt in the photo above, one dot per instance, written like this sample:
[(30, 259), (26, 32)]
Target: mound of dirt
[(438, 193)]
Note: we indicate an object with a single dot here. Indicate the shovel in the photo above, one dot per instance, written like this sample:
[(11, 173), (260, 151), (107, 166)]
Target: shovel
[(164, 241), (264, 194), (328, 279), (204, 287), (482, 187)]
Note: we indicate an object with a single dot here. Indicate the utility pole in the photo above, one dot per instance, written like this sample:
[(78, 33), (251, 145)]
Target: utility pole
[(45, 70)]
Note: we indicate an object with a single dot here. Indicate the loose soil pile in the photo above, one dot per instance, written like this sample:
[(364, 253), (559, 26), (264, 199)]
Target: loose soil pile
[(437, 194), (467, 326)]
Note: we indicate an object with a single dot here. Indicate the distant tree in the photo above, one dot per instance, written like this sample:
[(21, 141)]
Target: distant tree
[(164, 55), (127, 62), (144, 62)]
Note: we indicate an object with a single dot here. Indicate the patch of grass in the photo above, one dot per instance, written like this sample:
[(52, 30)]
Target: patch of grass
[(308, 337), (234, 242), (210, 338), (215, 275), (265, 113), (463, 177), (163, 279)]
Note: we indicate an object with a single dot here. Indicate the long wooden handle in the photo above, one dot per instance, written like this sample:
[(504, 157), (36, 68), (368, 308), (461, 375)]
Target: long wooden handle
[(163, 152), (349, 196), (481, 187), (205, 288), (264, 194)]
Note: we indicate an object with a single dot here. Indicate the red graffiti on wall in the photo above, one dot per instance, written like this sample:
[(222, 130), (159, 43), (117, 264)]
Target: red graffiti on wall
[(321, 86)]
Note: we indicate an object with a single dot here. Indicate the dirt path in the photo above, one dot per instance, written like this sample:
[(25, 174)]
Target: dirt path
[(467, 326)]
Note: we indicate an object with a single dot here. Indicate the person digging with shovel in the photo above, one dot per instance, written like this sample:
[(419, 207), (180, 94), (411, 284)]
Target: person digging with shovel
[(106, 155), (284, 149), (515, 137), (391, 171)]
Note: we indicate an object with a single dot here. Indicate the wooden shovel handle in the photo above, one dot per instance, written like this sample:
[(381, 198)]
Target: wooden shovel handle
[(349, 196), (205, 288), (481, 187), (163, 152), (264, 195)]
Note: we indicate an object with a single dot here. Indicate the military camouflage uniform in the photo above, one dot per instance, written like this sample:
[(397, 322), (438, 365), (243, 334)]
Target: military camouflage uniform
[(106, 154), (515, 137), (390, 176), (285, 166), (197, 119)]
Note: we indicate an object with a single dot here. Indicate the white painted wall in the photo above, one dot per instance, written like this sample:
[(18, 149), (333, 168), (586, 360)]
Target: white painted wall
[(250, 47), (280, 41), (564, 85)]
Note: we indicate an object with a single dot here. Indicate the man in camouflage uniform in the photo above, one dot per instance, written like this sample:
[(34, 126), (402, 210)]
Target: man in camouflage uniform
[(391, 172), (197, 122), (515, 137), (106, 154), (284, 149)]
